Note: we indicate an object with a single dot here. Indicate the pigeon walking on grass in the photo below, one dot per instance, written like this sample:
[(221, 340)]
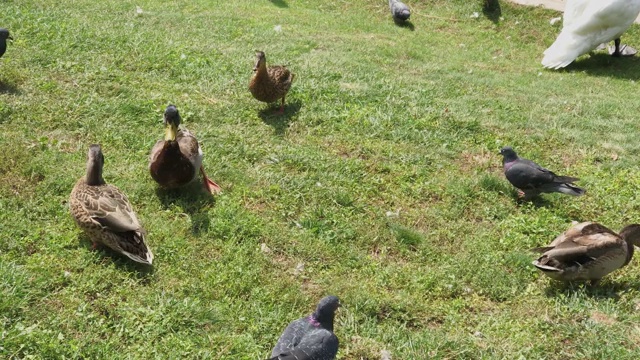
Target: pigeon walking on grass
[(532, 179), (311, 337), (399, 10), (4, 35)]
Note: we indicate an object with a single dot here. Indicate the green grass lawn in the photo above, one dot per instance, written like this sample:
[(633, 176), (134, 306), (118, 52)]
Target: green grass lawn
[(382, 178)]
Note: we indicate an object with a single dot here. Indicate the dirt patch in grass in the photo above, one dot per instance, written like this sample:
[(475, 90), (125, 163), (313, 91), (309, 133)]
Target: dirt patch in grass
[(484, 160), (602, 318)]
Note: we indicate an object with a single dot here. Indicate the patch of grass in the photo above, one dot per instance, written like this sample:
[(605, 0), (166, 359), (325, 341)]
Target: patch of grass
[(381, 183), (407, 236)]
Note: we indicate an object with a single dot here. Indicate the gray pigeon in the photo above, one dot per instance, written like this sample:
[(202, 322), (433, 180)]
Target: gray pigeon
[(399, 10), (311, 337), (532, 179), (4, 35)]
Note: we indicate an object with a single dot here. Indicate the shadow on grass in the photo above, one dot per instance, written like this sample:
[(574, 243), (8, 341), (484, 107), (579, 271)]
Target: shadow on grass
[(280, 3), (491, 9), (405, 24), (280, 122), (193, 200), (140, 271), (8, 88), (538, 201), (605, 290), (603, 64), (495, 184)]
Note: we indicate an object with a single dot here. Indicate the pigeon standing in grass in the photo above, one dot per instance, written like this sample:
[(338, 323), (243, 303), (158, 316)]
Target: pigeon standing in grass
[(532, 179), (4, 35), (399, 10), (311, 337)]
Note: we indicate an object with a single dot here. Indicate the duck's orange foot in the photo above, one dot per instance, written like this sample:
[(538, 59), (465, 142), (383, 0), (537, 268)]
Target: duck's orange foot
[(209, 185)]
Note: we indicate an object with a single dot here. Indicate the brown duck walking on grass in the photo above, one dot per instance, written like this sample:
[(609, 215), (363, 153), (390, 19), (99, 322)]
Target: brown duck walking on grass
[(268, 84), (587, 251), (105, 214), (175, 161)]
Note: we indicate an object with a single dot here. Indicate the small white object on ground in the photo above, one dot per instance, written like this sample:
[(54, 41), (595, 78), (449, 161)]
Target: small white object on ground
[(555, 20)]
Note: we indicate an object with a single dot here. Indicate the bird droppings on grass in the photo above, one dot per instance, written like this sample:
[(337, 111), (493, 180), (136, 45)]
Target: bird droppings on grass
[(299, 269)]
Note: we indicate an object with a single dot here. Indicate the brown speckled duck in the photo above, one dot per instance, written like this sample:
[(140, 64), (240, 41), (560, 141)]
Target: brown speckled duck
[(105, 214), (269, 84), (175, 161), (587, 251)]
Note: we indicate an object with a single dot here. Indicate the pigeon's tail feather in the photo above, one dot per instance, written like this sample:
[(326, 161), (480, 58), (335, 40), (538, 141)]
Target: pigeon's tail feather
[(565, 188)]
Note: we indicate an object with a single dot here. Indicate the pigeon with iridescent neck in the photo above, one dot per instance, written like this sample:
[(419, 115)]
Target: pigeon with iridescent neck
[(311, 337), (532, 179)]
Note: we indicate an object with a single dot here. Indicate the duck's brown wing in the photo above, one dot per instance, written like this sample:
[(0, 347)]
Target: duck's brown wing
[(189, 146), (585, 248), (155, 151), (279, 74), (110, 208), (573, 231)]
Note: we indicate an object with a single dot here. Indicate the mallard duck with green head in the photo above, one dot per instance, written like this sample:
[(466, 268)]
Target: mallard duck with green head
[(270, 84), (587, 251), (176, 160), (105, 214)]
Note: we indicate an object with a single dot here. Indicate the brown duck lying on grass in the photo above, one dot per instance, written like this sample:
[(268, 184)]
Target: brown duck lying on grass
[(175, 161), (268, 84), (587, 251), (105, 214)]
